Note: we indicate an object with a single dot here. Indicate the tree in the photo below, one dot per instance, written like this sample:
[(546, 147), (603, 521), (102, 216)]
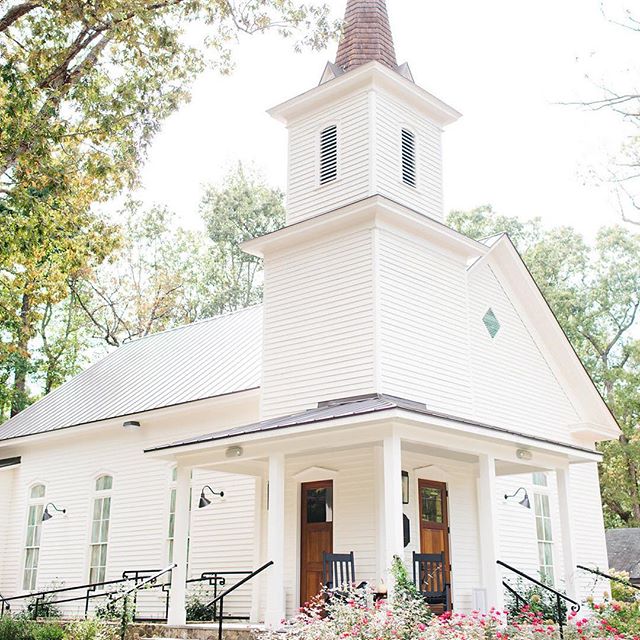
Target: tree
[(595, 293), (150, 284), (84, 86), (241, 208), (624, 171), (83, 89), (40, 249)]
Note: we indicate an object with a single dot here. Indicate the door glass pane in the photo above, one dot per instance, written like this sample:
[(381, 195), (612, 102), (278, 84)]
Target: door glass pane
[(431, 502), (320, 505)]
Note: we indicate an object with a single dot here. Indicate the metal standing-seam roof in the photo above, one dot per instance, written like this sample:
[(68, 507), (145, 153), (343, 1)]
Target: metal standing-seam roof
[(348, 407), (197, 361)]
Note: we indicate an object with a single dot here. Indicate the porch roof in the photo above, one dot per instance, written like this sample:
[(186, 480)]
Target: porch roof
[(355, 406)]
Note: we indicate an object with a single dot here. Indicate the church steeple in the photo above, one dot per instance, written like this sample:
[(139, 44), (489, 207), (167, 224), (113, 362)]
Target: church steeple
[(367, 130), (367, 36)]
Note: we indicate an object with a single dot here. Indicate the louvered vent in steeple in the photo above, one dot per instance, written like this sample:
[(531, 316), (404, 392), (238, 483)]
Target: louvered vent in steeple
[(408, 157), (329, 154)]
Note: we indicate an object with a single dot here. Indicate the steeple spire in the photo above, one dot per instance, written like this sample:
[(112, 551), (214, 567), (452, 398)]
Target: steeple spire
[(367, 36)]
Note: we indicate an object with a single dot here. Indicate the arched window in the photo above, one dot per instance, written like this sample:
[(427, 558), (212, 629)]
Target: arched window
[(32, 543), (101, 515), (408, 157), (328, 154)]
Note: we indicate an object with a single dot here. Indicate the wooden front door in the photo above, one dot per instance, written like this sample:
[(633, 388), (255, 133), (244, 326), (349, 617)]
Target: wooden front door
[(316, 535), (434, 521)]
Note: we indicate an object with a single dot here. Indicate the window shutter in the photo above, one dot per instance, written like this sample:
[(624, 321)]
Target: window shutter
[(408, 158), (329, 154)]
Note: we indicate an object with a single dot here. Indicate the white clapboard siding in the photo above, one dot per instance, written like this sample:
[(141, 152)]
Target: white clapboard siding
[(305, 196), (423, 346), (318, 315), (588, 524), (513, 384), (6, 482), (517, 527), (68, 465), (391, 117), (463, 521), (354, 526)]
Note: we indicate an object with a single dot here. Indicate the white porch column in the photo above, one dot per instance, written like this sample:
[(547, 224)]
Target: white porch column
[(568, 549), (489, 537), (258, 550), (392, 512), (276, 609), (177, 596)]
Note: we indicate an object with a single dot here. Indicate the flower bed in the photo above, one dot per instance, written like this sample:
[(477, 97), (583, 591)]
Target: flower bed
[(358, 618), (354, 615)]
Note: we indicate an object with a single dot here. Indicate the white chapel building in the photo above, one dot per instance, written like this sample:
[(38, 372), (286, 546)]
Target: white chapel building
[(398, 381)]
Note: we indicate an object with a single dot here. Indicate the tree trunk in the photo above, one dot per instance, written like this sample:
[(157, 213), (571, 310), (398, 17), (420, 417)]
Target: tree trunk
[(19, 396), (633, 482)]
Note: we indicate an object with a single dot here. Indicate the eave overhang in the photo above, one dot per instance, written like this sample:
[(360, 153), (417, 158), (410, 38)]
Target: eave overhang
[(387, 410), (72, 430), (372, 211), (372, 75)]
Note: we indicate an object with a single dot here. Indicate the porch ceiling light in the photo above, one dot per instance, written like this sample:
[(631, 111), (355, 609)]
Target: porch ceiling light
[(524, 454), (131, 425), (524, 501), (204, 501), (47, 515), (233, 452)]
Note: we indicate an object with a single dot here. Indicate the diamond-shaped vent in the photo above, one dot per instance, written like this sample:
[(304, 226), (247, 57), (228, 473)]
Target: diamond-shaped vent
[(491, 322)]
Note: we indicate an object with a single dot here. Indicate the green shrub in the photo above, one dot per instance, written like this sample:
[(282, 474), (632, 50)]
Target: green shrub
[(47, 632), (407, 603), (622, 592), (87, 630), (540, 602), (196, 607), (15, 628)]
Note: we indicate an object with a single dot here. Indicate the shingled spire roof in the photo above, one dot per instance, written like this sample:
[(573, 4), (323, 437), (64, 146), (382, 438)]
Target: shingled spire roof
[(367, 36)]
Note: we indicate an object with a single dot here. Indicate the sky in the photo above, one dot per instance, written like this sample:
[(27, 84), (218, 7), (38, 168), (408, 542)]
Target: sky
[(507, 65)]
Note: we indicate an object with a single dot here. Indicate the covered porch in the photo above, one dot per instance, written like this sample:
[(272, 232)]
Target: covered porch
[(379, 478)]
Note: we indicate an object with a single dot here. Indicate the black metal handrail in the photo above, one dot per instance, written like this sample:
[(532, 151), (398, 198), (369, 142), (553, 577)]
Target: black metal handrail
[(597, 572), (218, 579), (559, 596), (92, 591), (224, 594), (144, 583)]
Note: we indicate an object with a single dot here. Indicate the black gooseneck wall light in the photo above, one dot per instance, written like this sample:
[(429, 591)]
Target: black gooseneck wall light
[(204, 501), (47, 515), (524, 501)]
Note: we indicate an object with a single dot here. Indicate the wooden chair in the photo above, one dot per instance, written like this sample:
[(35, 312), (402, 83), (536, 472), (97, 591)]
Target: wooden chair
[(338, 570), (429, 576)]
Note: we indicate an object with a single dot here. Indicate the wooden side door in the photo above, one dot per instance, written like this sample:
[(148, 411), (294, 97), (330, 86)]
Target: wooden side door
[(316, 535), (434, 521)]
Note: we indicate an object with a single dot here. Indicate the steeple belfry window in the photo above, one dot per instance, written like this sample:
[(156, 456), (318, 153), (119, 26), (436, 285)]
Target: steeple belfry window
[(328, 154), (408, 157)]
